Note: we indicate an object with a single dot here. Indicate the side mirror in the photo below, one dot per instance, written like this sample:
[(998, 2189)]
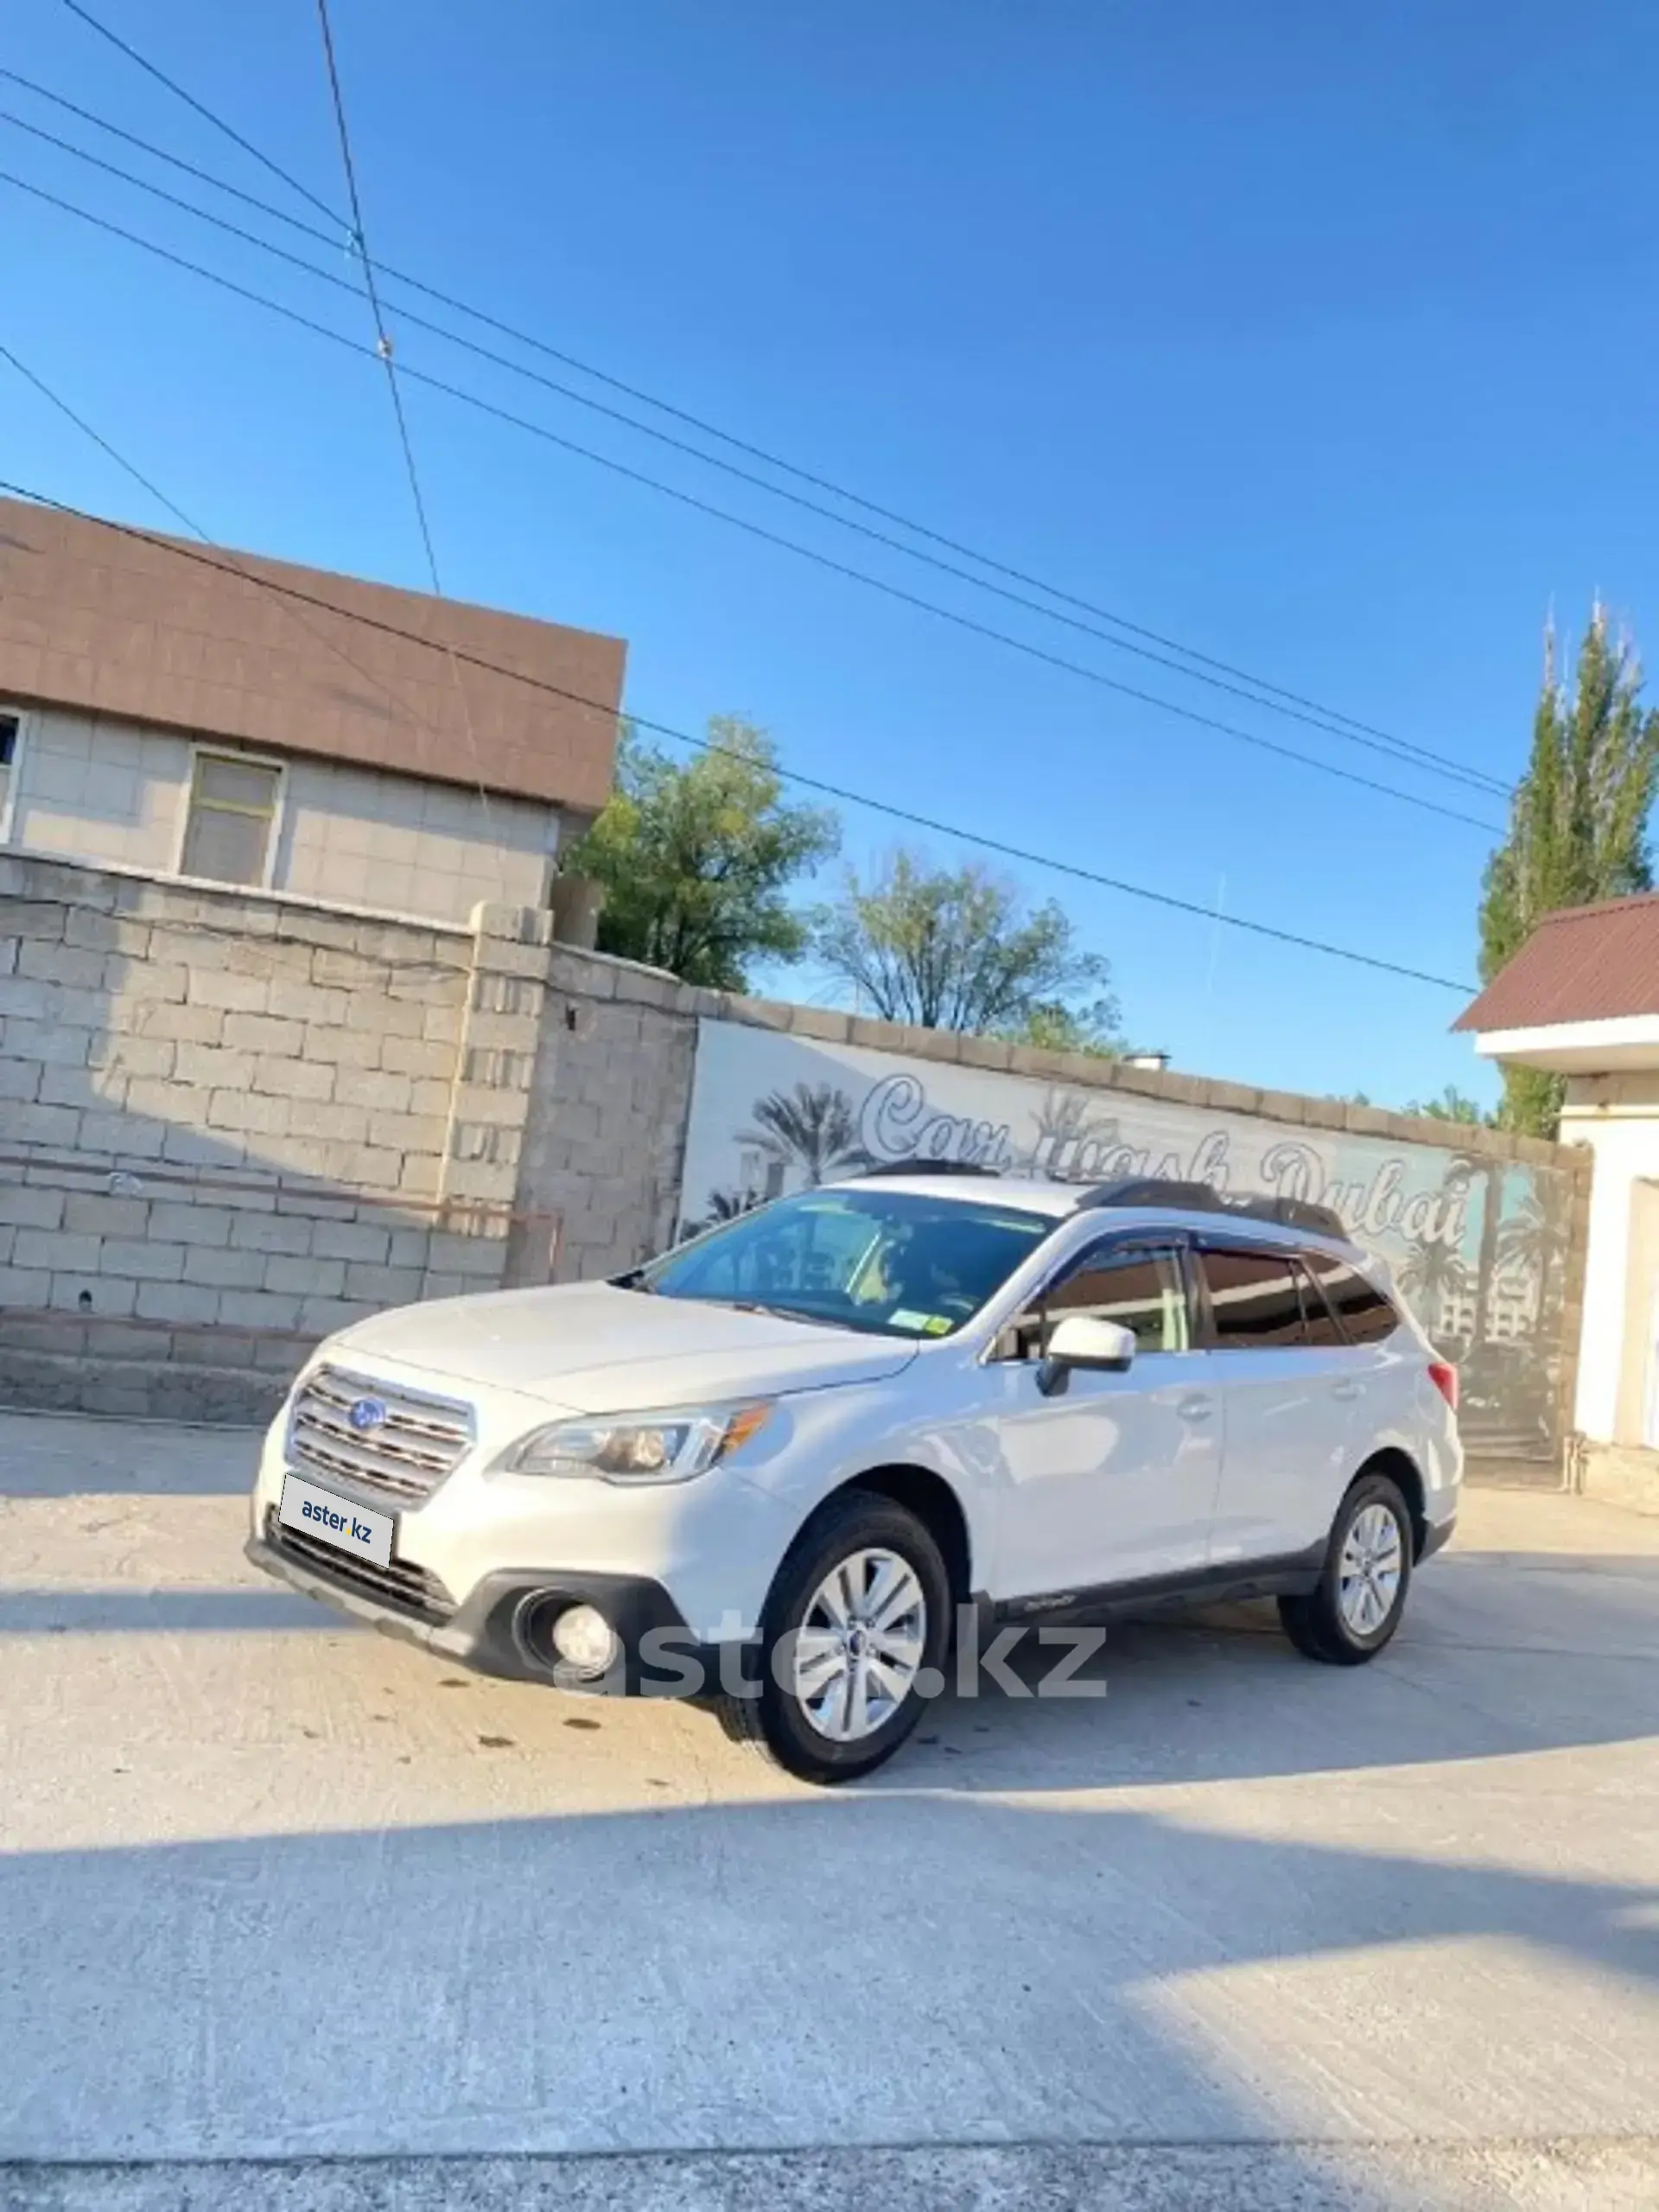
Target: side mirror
[(1081, 1341)]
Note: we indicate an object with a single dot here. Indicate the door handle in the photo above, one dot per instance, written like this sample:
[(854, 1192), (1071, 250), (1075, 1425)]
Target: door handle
[(1345, 1390), (1196, 1407)]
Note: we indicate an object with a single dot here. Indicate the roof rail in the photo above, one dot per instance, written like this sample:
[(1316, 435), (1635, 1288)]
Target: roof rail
[(1203, 1197), (913, 1166)]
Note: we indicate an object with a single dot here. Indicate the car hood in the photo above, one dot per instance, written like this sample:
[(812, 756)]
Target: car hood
[(596, 1349)]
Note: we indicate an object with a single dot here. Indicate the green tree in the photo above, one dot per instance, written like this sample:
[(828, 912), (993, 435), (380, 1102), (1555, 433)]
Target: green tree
[(697, 859), (1452, 1105), (961, 949), (1578, 825)]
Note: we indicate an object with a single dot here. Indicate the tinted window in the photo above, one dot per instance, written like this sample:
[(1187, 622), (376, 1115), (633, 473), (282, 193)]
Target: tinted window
[(866, 1257), (1254, 1299), (1141, 1291), (1365, 1313), (1323, 1327)]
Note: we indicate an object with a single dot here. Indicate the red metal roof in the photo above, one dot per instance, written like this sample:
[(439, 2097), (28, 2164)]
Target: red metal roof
[(1583, 963), (103, 620)]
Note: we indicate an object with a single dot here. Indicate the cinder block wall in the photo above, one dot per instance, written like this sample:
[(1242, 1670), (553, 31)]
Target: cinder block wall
[(610, 1099), (231, 1124)]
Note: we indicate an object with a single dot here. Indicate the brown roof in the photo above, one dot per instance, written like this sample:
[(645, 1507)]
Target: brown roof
[(94, 618), (1584, 963)]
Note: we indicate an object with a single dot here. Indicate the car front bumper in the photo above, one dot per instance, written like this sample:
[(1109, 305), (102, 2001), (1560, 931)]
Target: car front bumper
[(660, 1656)]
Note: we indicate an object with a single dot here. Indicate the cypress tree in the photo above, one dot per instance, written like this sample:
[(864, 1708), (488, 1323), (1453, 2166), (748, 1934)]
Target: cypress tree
[(1577, 824)]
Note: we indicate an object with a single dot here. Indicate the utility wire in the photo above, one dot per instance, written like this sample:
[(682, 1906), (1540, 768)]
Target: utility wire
[(827, 562), (229, 130), (1311, 710), (131, 468), (382, 336), (849, 797), (1389, 748), (383, 348)]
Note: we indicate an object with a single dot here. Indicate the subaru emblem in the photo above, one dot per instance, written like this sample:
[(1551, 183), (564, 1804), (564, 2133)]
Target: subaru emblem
[(367, 1413)]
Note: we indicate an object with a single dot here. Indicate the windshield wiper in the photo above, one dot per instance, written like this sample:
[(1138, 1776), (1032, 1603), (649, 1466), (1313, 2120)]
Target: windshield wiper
[(633, 1280), (785, 1313)]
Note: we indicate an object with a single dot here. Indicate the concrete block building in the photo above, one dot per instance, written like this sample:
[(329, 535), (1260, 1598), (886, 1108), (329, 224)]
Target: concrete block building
[(228, 720)]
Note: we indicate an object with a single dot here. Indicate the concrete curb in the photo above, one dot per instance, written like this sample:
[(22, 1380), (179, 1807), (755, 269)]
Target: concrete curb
[(1619, 2175)]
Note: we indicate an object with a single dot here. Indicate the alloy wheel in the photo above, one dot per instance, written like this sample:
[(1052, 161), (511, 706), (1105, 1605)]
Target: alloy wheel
[(859, 1644), (1373, 1559)]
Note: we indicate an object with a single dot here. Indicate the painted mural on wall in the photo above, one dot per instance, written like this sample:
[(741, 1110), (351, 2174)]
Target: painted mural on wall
[(1476, 1246)]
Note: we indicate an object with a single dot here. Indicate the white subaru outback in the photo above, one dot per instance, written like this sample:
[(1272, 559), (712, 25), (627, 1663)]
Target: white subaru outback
[(772, 1468)]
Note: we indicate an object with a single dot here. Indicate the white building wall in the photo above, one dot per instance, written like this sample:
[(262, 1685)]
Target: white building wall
[(371, 839), (90, 789), (1618, 1117)]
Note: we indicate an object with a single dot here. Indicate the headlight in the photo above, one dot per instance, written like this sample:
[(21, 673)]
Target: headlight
[(663, 1447)]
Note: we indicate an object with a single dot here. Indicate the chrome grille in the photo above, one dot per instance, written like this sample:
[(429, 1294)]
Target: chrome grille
[(420, 1441), (410, 1589)]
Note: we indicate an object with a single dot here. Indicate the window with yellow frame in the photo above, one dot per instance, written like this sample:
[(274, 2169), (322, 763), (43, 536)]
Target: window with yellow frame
[(232, 818)]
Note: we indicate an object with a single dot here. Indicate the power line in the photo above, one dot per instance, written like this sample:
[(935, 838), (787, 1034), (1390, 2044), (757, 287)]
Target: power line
[(383, 348), (228, 130), (1297, 706), (179, 513), (1389, 748), (844, 793), (383, 345), (330, 237), (896, 592)]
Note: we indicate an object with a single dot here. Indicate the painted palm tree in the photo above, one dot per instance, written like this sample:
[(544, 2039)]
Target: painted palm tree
[(1065, 1120), (1533, 1241), (812, 1128), (722, 1205), (1431, 1275), (1467, 1169)]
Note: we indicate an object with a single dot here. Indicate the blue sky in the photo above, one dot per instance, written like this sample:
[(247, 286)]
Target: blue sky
[(1320, 339)]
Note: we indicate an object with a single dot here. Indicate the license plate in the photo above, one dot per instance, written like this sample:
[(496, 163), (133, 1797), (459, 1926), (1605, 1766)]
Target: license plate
[(336, 1521)]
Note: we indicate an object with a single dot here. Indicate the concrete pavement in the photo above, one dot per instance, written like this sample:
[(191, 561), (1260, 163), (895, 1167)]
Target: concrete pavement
[(272, 1886)]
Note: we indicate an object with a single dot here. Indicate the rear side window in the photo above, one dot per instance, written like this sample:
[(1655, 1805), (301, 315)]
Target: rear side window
[(1255, 1300), (1365, 1313), (1324, 1330)]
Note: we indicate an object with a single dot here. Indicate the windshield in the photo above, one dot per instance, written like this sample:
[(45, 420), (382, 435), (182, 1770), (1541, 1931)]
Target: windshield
[(889, 1261)]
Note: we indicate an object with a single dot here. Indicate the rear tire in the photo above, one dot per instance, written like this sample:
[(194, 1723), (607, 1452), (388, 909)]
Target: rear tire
[(1354, 1610), (859, 1612)]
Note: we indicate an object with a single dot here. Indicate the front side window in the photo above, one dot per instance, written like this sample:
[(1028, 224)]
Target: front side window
[(1140, 1287), (1364, 1312), (1254, 1298), (232, 808), (892, 1262)]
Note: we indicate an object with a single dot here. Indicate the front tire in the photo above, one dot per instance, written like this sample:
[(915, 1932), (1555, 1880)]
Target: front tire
[(1356, 1609), (859, 1614)]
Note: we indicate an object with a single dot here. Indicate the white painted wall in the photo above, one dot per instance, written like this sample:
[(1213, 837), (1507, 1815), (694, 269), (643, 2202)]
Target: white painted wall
[(1617, 1116), (91, 789), (372, 839)]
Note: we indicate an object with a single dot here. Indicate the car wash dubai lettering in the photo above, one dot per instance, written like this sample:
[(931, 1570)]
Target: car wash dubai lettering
[(897, 1121)]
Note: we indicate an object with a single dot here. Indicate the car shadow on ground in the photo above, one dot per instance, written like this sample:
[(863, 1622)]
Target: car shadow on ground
[(1039, 1972), (1219, 1693)]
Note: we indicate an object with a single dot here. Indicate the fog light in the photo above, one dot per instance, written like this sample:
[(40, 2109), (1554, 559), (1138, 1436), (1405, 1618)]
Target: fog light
[(585, 1640)]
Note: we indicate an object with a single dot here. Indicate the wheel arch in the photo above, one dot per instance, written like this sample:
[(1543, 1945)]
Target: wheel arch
[(1401, 1469), (934, 1501)]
